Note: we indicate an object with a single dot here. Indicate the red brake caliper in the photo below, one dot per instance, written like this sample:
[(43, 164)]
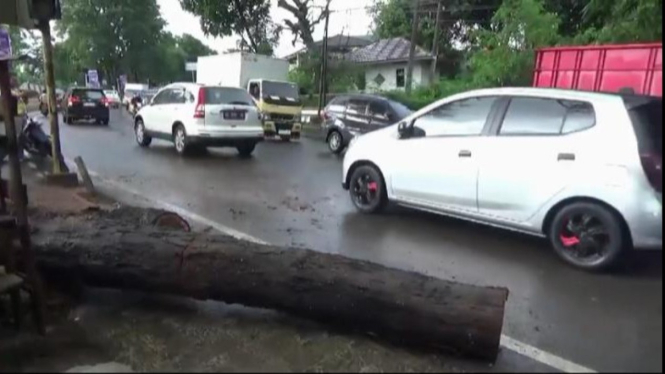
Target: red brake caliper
[(372, 186), (569, 241)]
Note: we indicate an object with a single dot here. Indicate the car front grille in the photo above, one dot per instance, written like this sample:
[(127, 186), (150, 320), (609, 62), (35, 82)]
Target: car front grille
[(281, 117)]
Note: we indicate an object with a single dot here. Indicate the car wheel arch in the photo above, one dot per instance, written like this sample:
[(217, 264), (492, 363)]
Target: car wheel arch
[(137, 119), (175, 125), (552, 212)]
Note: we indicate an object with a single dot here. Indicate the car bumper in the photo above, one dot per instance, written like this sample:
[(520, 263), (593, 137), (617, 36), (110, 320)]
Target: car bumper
[(223, 141), (646, 223), (272, 128), (88, 113)]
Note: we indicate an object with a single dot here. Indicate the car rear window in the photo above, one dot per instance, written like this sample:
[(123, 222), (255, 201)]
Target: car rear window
[(646, 114), (227, 95), (88, 94), (400, 109)]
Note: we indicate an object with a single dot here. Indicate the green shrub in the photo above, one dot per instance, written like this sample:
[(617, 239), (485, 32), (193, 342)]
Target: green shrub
[(423, 96)]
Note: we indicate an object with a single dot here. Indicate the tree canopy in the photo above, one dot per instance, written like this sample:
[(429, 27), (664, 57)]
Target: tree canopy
[(248, 19)]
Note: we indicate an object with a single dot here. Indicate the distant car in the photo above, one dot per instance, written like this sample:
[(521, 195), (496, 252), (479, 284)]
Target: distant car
[(85, 103), (113, 98), (582, 169), (350, 115), (196, 116)]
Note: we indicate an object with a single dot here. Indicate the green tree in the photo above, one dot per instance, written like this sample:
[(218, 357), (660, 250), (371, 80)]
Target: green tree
[(504, 53), (393, 18), (622, 21), (114, 36), (249, 19), (193, 47)]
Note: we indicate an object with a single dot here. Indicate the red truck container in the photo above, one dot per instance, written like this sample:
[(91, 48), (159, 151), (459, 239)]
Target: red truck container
[(606, 68)]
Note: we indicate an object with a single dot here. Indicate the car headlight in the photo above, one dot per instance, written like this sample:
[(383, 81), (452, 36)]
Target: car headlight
[(266, 116)]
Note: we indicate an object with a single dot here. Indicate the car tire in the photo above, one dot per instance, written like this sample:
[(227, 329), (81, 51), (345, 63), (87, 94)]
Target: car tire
[(581, 229), (246, 149), (367, 190), (335, 142), (68, 120), (142, 138), (180, 140), (105, 122)]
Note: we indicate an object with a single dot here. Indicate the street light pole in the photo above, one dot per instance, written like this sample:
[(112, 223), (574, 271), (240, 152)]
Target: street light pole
[(59, 165), (324, 62), (412, 50)]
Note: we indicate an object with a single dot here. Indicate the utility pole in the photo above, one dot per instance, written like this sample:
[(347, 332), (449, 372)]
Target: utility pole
[(435, 42), (58, 163), (412, 51), (324, 62)]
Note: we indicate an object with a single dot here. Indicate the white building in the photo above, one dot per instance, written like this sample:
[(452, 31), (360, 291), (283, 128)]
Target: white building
[(385, 63)]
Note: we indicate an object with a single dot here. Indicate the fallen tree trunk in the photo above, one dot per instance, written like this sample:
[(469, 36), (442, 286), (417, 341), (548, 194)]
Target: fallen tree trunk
[(121, 249)]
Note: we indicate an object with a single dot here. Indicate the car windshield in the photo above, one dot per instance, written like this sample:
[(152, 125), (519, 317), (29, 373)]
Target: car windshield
[(280, 89), (227, 95)]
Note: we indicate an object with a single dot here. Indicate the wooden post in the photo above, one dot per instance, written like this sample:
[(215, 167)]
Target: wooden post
[(19, 199), (412, 50), (85, 176), (15, 176), (59, 165)]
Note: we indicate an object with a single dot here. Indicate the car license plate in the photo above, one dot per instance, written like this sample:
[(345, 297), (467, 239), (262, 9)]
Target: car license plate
[(89, 104), (284, 132), (233, 115)]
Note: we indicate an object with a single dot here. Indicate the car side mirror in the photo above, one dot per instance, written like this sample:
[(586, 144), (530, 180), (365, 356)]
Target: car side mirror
[(404, 130)]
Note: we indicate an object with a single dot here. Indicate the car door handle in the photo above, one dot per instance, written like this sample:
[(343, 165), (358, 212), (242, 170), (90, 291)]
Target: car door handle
[(464, 153), (566, 157)]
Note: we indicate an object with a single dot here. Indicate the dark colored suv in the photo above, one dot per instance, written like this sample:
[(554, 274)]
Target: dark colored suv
[(85, 103), (350, 115)]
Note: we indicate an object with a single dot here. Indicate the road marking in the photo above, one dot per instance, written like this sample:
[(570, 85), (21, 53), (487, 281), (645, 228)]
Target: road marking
[(543, 357), (506, 342)]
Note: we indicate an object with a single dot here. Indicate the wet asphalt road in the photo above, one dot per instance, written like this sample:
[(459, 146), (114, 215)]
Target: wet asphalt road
[(290, 194)]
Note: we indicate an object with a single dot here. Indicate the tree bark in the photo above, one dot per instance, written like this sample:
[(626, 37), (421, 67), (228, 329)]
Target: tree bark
[(122, 249)]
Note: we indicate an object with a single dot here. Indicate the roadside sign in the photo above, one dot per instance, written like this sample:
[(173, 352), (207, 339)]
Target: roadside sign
[(5, 44), (190, 66), (93, 78)]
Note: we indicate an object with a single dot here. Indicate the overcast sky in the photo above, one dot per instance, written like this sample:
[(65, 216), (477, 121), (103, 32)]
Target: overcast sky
[(348, 17)]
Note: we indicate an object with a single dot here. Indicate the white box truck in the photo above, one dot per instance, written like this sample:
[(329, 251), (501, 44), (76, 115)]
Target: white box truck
[(266, 79)]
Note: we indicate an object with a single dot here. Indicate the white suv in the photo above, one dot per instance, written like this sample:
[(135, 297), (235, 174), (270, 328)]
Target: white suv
[(195, 116), (582, 169)]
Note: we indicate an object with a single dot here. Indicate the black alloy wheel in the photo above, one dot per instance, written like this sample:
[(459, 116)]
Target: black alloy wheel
[(588, 236), (367, 189)]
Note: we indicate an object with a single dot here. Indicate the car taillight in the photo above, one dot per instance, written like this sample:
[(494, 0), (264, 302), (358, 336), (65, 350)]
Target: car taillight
[(199, 111), (74, 100), (105, 101), (325, 115), (653, 168)]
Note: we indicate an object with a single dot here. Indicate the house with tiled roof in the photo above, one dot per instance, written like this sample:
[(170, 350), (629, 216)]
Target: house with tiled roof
[(338, 45), (385, 63)]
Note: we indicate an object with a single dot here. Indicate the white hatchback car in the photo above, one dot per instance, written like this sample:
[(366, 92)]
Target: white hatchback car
[(582, 169), (195, 116)]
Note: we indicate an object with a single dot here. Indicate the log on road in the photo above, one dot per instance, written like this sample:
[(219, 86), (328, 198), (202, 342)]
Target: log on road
[(121, 249)]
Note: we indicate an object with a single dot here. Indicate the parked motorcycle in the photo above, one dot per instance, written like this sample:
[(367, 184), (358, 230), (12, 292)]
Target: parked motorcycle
[(34, 139)]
